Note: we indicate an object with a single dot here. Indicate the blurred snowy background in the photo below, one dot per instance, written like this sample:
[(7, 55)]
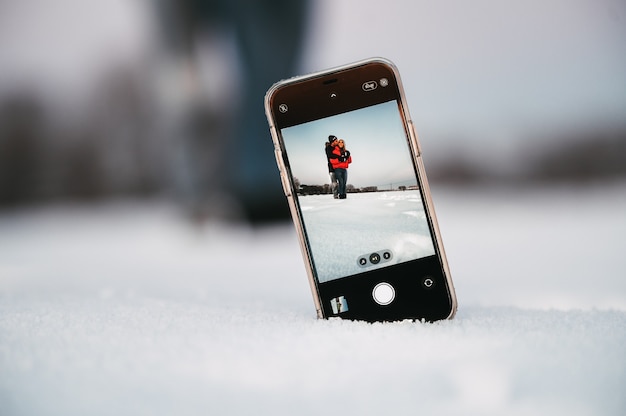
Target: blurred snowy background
[(135, 278), (91, 95)]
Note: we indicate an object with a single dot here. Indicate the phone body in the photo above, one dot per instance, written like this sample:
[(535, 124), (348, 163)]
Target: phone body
[(371, 244)]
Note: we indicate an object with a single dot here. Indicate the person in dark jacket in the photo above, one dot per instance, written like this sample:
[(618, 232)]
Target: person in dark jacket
[(330, 147), (267, 38), (340, 166)]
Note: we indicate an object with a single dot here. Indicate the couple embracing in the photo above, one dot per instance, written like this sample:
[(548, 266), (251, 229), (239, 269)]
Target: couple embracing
[(338, 160)]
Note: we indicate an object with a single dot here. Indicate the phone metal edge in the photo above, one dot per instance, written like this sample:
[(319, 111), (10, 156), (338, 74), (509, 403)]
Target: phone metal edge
[(295, 216), (425, 186), (430, 206), (299, 226), (417, 159)]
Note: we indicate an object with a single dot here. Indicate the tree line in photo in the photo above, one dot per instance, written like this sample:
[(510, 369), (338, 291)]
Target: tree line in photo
[(326, 189)]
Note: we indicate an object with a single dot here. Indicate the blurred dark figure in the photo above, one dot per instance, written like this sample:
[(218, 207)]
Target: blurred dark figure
[(227, 159), (21, 150)]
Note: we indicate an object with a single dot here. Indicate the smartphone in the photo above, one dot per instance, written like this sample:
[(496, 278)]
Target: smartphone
[(351, 168)]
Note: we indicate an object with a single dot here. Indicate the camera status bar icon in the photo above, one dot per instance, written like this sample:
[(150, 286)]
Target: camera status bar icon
[(369, 86)]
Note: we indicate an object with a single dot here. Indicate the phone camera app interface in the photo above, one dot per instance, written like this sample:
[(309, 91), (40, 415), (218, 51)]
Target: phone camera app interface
[(372, 259), (357, 191)]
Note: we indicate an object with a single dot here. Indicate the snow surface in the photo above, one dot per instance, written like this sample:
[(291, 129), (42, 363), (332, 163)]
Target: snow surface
[(340, 231), (126, 309)]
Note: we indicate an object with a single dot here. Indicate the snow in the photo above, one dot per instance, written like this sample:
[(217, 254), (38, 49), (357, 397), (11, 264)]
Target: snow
[(340, 231), (125, 308)]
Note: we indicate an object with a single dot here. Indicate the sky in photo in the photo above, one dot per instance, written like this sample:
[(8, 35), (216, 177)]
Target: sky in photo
[(375, 138)]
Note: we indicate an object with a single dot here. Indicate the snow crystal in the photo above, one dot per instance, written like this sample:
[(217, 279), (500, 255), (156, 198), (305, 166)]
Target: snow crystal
[(127, 309)]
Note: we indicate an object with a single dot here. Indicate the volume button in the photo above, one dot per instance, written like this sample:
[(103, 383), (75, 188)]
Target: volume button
[(414, 138), (282, 170), (283, 180), (279, 159)]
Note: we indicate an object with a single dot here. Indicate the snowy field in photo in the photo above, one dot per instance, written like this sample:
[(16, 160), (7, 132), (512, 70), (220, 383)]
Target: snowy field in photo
[(127, 309), (340, 231)]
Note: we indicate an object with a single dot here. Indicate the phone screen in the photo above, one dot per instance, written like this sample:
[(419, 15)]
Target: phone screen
[(350, 167), (382, 219)]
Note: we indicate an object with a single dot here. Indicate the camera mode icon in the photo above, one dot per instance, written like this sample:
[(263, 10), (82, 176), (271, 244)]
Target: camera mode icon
[(375, 258)]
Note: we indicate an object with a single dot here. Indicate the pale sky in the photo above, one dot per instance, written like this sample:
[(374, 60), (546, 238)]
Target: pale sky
[(375, 138), (487, 70), (474, 71)]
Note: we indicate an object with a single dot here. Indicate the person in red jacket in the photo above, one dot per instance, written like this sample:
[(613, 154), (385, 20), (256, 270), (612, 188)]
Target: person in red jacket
[(340, 166)]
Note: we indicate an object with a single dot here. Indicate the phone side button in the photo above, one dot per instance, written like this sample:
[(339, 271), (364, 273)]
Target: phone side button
[(279, 159), (383, 293), (285, 186), (281, 169), (415, 138)]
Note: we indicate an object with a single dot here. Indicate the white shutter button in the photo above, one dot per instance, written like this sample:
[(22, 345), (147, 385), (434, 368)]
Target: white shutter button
[(383, 293)]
